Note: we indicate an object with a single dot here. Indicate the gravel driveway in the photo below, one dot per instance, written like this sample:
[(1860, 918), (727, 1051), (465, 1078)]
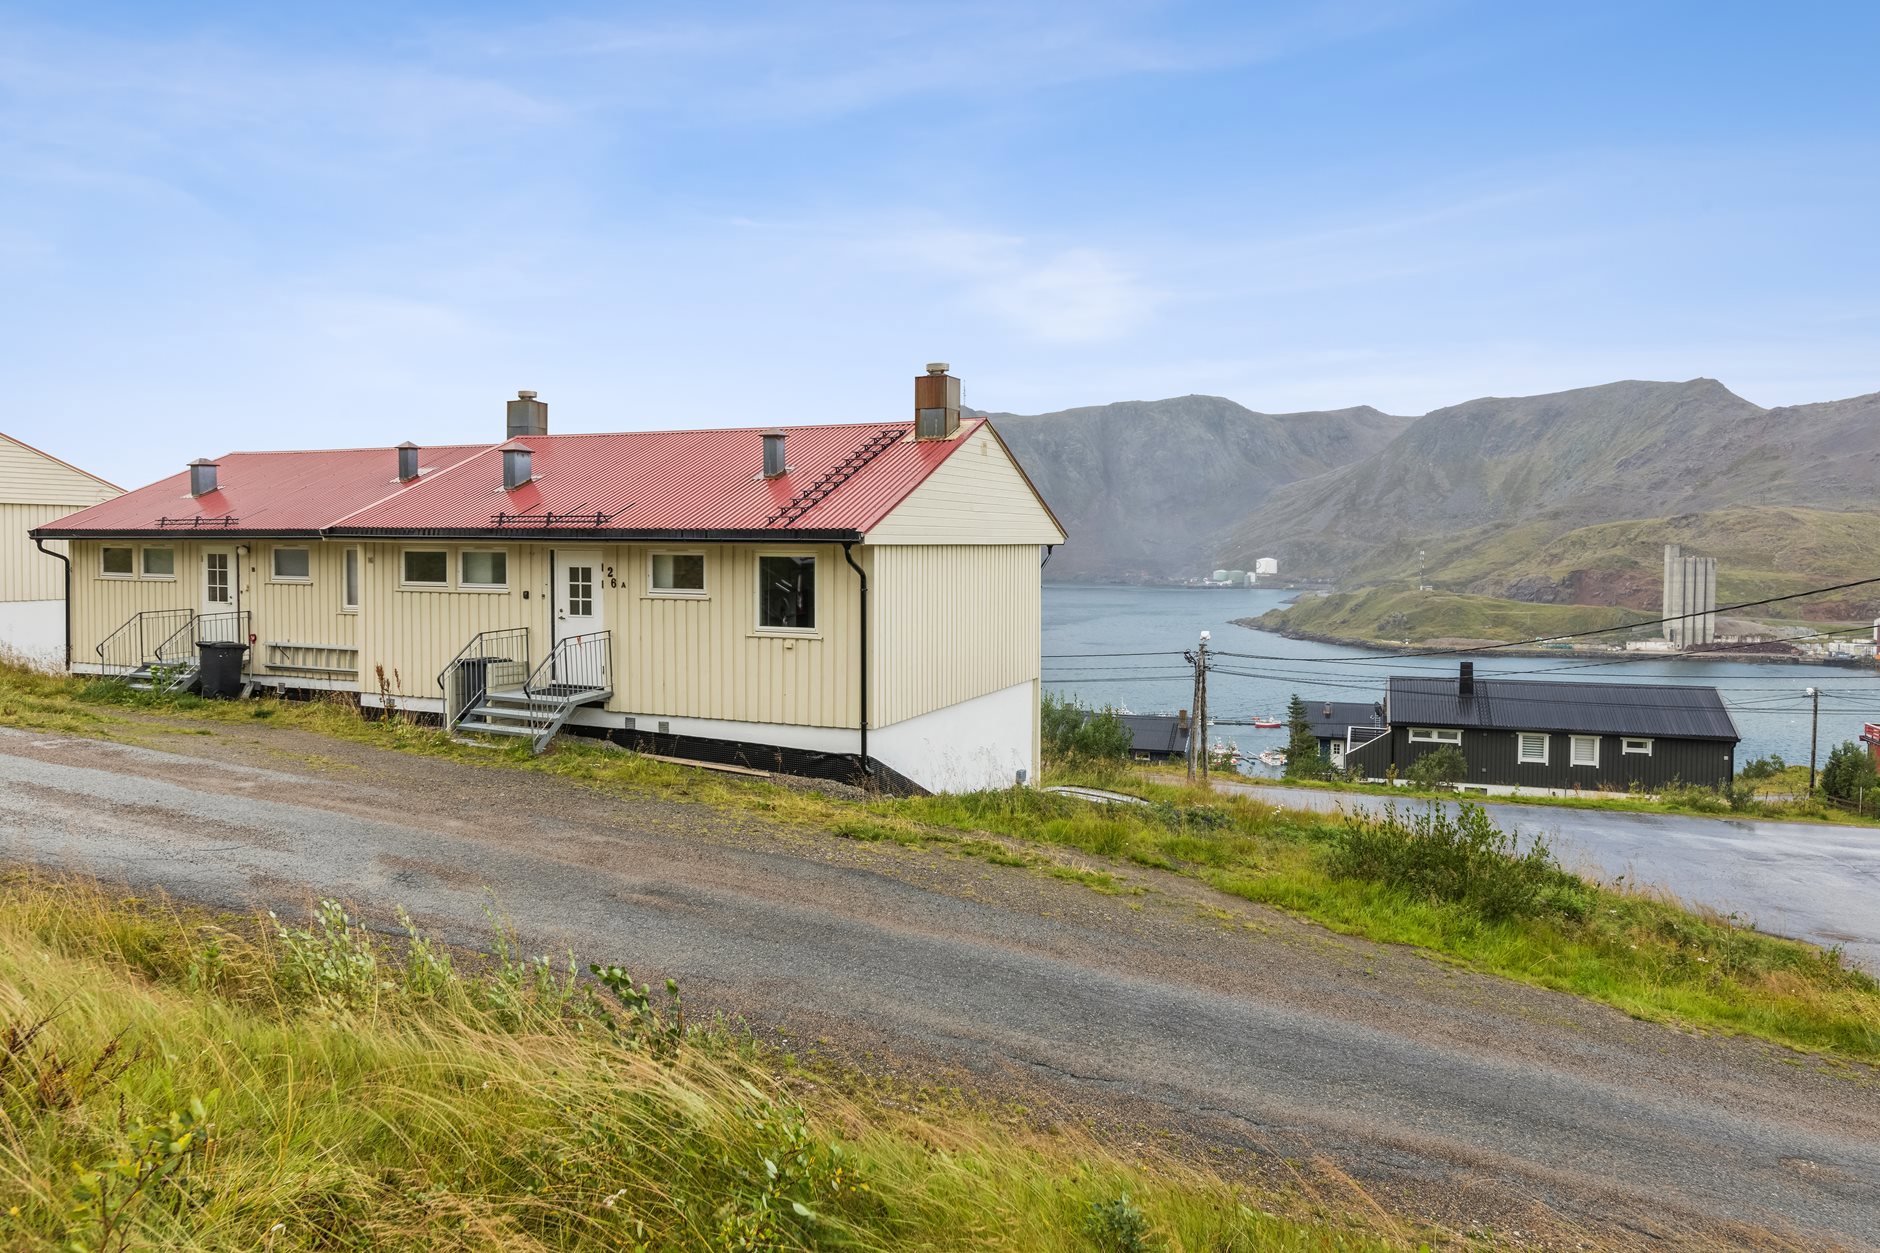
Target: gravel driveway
[(1254, 1037)]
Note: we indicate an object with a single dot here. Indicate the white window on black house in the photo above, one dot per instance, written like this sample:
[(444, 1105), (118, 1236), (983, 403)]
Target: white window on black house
[(485, 569), (117, 563), (677, 574), (1531, 748), (1634, 747), (1585, 750), (786, 593), (1435, 735), (159, 563), (293, 565)]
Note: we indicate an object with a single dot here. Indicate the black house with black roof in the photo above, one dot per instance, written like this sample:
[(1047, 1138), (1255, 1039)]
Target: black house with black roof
[(1545, 734)]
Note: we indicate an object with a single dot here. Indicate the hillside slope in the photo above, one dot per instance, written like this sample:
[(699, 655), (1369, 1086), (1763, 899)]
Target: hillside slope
[(1146, 488)]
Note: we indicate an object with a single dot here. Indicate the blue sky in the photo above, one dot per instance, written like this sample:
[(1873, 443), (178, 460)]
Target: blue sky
[(243, 226)]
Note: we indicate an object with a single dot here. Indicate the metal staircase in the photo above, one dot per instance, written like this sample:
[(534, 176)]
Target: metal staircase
[(155, 651), (489, 690)]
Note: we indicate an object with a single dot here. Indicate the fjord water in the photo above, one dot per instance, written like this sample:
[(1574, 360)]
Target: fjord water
[(1083, 623)]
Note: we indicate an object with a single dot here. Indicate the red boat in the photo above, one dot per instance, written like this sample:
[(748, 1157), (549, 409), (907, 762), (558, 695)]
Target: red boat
[(1267, 724)]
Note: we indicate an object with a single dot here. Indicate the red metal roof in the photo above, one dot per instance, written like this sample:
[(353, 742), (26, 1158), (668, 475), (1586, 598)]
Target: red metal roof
[(841, 479), (267, 493)]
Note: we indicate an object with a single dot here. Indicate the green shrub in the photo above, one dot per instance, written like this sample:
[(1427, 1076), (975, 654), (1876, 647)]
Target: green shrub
[(1117, 1226), (1440, 768), (1849, 772), (1072, 731), (1759, 768), (1461, 857)]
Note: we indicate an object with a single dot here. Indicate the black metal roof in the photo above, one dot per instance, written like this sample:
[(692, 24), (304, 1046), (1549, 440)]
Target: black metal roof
[(1332, 719), (1675, 711), (1157, 733)]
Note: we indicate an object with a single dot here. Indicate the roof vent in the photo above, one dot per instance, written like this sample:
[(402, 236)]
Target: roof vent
[(1465, 680), (407, 462), (774, 465), (201, 477), (936, 403), (518, 465), (527, 415)]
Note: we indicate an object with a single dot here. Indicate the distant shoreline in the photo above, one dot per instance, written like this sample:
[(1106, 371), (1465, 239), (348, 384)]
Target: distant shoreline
[(1610, 654)]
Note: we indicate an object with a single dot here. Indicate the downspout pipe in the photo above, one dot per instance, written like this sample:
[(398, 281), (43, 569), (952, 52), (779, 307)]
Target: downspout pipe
[(41, 546), (1048, 550), (848, 555)]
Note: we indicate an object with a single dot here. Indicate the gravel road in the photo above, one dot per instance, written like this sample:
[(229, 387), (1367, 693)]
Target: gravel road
[(1810, 880), (1445, 1095)]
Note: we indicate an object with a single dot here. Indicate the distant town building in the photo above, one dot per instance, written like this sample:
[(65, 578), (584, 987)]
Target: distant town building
[(1690, 600), (1266, 565)]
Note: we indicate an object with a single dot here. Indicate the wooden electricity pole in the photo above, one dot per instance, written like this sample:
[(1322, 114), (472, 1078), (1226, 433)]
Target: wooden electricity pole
[(1194, 707), (1201, 713), (1814, 735)]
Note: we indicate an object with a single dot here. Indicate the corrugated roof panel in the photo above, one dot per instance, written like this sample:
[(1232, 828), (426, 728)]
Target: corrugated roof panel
[(1645, 709)]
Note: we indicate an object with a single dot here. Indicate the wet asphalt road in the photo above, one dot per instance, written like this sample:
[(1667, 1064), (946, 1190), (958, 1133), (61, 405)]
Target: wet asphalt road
[(1417, 1079), (1807, 880)]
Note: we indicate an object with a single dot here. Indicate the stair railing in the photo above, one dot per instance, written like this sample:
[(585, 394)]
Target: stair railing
[(135, 644), (176, 656), (492, 660), (577, 663)]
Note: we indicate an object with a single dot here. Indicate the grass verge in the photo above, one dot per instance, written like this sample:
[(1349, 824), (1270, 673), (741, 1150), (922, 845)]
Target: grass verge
[(1649, 957), (173, 1080)]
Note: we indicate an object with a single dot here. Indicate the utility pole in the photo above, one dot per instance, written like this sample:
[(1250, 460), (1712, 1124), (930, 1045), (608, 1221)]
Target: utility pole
[(1194, 706), (1201, 714), (1814, 735)]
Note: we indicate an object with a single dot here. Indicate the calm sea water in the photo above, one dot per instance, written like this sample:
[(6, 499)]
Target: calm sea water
[(1081, 624)]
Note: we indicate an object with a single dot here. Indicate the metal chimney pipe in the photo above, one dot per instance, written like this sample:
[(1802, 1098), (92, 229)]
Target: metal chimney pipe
[(527, 415), (774, 464), (1465, 680), (201, 477), (407, 462), (517, 466)]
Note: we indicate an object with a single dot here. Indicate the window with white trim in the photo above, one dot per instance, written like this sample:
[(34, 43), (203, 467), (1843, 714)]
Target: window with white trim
[(159, 563), (676, 574), (1642, 748), (786, 593), (425, 567), (1585, 750), (1435, 735), (117, 563), (483, 568), (293, 565), (1531, 748), (349, 581)]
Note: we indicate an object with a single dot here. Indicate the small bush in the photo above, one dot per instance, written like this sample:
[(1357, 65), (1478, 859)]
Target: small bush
[(1759, 768), (1074, 732), (1440, 768), (1463, 858), (1117, 1226), (1849, 772)]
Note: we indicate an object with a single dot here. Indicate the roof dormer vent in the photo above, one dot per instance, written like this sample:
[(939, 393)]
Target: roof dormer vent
[(407, 462), (518, 465), (774, 465), (936, 403), (201, 477)]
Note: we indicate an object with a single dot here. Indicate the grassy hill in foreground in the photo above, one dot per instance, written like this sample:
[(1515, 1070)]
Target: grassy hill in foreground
[(1395, 615)]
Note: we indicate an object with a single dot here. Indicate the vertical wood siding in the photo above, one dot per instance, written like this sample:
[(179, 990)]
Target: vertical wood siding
[(1493, 758), (977, 496), (952, 622), (100, 605), (414, 633), (36, 489)]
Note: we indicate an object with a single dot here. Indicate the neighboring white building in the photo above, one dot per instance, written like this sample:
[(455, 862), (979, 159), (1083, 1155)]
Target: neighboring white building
[(1266, 565), (35, 488)]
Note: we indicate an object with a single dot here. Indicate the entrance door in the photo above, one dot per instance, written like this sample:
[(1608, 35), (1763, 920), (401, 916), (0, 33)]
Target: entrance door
[(577, 592), (218, 595)]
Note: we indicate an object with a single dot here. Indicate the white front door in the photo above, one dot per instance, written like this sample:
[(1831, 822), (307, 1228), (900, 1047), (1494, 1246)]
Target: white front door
[(578, 577), (218, 594)]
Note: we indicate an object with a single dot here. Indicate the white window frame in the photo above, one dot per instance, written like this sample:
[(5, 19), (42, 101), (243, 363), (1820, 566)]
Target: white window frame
[(465, 585), (142, 569), (1436, 735), (1575, 743), (351, 571), (1635, 746), (1521, 748), (405, 583), (274, 568), (757, 587), (112, 574), (690, 593)]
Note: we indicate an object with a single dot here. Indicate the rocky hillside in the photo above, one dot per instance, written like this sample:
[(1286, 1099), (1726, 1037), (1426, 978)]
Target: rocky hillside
[(1147, 489)]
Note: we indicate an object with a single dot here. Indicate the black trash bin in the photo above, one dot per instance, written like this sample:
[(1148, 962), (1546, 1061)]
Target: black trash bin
[(473, 680), (221, 673)]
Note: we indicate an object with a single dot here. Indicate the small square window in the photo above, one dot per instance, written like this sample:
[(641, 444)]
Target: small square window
[(786, 593), (117, 563), (1532, 750), (427, 567), (1642, 748), (477, 568), (293, 564), (1585, 750), (678, 572), (159, 563)]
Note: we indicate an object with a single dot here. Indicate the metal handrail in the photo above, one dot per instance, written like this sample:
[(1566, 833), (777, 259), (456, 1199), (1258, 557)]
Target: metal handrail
[(491, 659), (137, 631), (576, 663)]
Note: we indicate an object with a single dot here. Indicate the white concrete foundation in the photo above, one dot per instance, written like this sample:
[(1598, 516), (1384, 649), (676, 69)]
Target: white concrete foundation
[(976, 744), (33, 631)]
